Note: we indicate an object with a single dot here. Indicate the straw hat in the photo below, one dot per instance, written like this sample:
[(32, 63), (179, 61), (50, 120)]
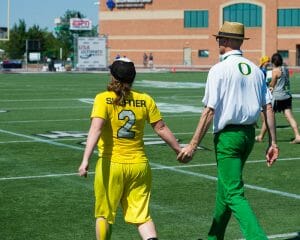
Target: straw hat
[(233, 30), (263, 60)]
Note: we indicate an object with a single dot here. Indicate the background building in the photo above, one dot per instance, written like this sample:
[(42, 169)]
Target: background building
[(179, 33)]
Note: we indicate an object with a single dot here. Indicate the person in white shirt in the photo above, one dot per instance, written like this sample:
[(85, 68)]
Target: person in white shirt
[(235, 93)]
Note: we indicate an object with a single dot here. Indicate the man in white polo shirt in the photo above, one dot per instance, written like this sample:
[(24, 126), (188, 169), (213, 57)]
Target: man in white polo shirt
[(234, 95)]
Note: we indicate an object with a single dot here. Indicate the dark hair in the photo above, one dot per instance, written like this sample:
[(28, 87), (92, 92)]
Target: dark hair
[(122, 90), (277, 59)]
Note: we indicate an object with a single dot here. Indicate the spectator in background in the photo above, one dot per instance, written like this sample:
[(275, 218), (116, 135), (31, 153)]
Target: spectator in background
[(51, 66), (263, 66), (145, 60), (282, 98), (151, 60), (123, 174)]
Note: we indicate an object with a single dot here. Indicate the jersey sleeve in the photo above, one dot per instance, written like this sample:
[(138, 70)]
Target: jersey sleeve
[(153, 111), (100, 107)]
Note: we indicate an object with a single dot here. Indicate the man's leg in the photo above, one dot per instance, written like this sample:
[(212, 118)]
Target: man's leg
[(238, 203), (235, 146), (221, 216)]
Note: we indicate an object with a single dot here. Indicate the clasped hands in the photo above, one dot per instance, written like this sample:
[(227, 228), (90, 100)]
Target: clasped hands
[(186, 153)]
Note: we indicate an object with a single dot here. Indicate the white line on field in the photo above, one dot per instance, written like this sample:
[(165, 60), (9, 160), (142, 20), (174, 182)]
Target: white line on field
[(47, 120), (162, 167), (31, 141), (39, 100), (174, 169), (283, 235), (36, 139), (78, 119), (214, 164), (54, 107), (40, 176)]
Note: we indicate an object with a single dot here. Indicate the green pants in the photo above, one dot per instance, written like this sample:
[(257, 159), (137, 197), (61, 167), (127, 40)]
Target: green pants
[(233, 146)]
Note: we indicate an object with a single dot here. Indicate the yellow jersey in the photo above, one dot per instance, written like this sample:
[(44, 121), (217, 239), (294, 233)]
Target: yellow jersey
[(121, 137)]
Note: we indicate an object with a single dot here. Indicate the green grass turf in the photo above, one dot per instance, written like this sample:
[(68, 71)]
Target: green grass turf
[(41, 197)]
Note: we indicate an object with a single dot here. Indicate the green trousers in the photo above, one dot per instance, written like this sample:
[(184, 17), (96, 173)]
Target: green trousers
[(233, 146)]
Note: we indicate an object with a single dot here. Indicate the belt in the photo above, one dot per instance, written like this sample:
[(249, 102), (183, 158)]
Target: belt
[(241, 125)]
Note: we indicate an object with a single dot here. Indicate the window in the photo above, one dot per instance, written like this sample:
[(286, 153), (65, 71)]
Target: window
[(196, 19), (203, 53), (248, 14), (284, 53), (289, 17)]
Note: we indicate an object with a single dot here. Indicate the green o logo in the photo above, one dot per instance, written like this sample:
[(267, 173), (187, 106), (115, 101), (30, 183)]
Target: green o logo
[(244, 68)]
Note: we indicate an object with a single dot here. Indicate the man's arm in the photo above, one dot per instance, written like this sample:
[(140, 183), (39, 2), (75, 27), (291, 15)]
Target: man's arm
[(203, 125), (273, 150)]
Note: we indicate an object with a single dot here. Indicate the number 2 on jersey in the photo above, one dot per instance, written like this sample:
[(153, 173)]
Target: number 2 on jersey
[(125, 130)]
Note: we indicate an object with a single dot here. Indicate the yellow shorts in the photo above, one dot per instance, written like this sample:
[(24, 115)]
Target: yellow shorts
[(125, 184)]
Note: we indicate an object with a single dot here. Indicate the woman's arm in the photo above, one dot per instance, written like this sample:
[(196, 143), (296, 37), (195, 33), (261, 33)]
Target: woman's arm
[(92, 139), (165, 133)]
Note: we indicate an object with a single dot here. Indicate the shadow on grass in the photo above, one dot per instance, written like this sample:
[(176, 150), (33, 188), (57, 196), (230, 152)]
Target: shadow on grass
[(282, 126)]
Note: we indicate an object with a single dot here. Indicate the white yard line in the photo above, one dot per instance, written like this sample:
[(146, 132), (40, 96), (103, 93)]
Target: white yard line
[(36, 139), (46, 120), (159, 166), (283, 235), (39, 108), (39, 100), (262, 189)]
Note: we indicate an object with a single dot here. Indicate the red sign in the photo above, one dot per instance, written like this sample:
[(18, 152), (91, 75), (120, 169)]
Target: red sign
[(80, 24)]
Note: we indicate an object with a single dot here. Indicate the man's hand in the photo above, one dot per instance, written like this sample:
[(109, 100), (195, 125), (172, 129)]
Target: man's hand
[(272, 154), (186, 154)]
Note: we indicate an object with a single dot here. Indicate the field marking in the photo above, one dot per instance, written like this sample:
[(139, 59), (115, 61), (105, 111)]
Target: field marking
[(36, 139), (205, 176), (39, 100), (174, 169), (153, 168), (40, 176), (169, 85), (46, 120), (54, 107), (283, 235)]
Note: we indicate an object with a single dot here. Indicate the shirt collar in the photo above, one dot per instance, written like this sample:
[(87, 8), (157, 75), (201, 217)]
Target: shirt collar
[(230, 53)]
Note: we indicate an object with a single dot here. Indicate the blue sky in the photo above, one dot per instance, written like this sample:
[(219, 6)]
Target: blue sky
[(43, 12)]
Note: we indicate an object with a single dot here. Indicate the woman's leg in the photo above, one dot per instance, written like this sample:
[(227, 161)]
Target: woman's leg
[(290, 118), (263, 129), (147, 230), (103, 229)]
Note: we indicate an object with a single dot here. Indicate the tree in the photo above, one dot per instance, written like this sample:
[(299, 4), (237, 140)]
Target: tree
[(67, 36), (15, 47), (50, 44)]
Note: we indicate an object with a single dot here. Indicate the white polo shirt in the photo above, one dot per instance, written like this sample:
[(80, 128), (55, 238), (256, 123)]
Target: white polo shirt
[(236, 90)]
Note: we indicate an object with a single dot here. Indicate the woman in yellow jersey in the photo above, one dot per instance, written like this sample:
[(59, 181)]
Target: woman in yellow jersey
[(123, 174)]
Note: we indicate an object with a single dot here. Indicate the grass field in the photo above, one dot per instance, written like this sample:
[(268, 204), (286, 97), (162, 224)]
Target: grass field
[(44, 119)]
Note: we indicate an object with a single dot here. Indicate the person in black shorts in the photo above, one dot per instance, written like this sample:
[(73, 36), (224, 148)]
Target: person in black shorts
[(282, 98)]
